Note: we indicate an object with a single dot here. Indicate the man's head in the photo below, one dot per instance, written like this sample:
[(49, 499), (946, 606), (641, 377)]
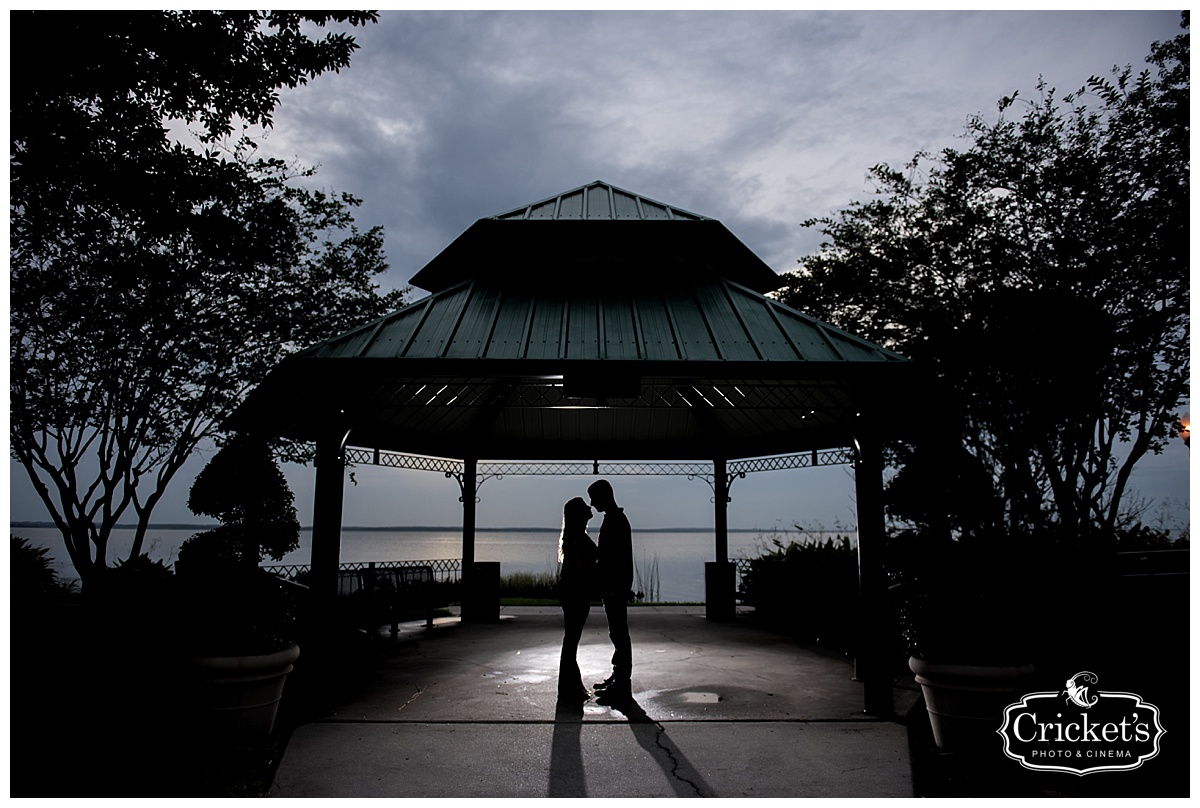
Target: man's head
[(601, 493)]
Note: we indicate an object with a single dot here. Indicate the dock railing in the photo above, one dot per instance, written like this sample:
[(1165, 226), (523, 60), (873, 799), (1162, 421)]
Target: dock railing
[(444, 569), (741, 567), (385, 592)]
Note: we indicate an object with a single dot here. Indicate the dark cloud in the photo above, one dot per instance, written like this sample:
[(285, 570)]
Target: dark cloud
[(759, 119)]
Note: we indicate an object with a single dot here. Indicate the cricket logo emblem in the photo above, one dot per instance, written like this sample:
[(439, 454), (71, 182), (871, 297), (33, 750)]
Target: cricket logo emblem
[(1078, 693)]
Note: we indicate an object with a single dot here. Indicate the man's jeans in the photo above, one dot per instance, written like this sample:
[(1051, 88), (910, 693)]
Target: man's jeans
[(616, 609)]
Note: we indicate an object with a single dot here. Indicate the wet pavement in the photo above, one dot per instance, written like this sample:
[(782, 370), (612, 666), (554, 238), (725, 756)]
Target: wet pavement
[(719, 709)]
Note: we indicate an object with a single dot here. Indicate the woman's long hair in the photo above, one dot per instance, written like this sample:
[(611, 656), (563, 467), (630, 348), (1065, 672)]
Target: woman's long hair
[(575, 517)]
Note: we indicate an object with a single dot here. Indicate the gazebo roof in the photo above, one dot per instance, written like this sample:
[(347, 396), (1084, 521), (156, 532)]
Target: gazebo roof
[(596, 336), (596, 230), (599, 201)]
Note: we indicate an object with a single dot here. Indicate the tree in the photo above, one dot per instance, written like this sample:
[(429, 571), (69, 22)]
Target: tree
[(243, 488), (229, 605), (1041, 274), (153, 284)]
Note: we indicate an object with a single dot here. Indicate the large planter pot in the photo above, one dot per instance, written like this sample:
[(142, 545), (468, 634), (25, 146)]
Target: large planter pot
[(966, 702), (238, 696)]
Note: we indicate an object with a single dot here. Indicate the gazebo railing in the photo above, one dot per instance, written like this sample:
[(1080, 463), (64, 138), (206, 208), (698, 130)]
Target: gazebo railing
[(737, 468), (741, 567), (444, 569)]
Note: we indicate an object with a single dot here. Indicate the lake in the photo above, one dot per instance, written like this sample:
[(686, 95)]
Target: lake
[(678, 554)]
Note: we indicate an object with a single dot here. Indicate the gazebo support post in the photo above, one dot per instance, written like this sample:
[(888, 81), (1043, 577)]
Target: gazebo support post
[(721, 500), (320, 647), (871, 661), (328, 491), (720, 575), (469, 486), (480, 581)]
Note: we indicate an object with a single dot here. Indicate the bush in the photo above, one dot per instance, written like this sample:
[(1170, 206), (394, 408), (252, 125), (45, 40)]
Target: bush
[(32, 575), (139, 585), (1010, 598), (1139, 537), (230, 605), (809, 589), (997, 599), (959, 602), (244, 488)]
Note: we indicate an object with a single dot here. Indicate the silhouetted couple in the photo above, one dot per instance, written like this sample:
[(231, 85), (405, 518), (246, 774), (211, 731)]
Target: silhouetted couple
[(587, 568)]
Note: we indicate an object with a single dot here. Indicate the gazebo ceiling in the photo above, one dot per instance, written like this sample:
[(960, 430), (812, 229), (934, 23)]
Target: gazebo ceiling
[(643, 337)]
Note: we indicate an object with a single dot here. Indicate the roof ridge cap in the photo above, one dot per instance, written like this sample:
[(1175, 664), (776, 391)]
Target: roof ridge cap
[(523, 211)]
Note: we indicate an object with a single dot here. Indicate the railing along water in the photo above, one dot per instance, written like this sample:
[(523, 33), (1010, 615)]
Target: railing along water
[(444, 569)]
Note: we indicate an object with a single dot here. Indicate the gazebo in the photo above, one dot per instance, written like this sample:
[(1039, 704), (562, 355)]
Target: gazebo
[(593, 325)]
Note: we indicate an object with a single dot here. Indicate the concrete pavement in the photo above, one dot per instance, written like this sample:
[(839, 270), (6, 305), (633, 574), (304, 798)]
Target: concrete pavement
[(720, 709)]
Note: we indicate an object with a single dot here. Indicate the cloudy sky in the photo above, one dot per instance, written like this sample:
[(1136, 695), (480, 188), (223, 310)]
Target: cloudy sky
[(758, 119)]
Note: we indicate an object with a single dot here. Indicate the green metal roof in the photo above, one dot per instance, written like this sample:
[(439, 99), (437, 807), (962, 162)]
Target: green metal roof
[(715, 321), (596, 233), (598, 201), (642, 342)]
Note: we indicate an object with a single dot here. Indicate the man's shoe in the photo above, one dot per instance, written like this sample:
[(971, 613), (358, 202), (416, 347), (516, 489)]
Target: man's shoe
[(605, 685), (616, 694)]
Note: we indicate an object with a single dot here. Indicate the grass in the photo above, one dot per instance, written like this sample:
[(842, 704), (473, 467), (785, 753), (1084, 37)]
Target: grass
[(541, 588), (645, 579), (530, 585)]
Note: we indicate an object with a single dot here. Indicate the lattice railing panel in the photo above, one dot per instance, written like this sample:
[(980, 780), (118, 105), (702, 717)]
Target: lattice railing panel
[(550, 468), (444, 569)]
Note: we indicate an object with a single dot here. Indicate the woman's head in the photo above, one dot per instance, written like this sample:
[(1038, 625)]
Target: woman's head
[(576, 512)]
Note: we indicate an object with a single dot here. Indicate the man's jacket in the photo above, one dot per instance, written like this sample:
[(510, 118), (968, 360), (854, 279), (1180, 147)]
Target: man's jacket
[(616, 553)]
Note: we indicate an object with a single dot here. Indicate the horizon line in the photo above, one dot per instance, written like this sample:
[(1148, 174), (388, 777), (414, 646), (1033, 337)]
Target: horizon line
[(539, 529)]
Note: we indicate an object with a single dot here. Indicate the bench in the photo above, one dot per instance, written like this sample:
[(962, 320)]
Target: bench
[(384, 595)]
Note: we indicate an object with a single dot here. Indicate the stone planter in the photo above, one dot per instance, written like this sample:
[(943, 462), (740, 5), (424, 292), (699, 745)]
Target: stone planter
[(966, 702), (238, 697)]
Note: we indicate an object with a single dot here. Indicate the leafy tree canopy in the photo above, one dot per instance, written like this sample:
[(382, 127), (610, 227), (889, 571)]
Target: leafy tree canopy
[(1040, 273), (243, 488), (152, 284)]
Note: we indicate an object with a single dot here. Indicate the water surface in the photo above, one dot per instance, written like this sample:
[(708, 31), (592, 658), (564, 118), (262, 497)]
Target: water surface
[(678, 554)]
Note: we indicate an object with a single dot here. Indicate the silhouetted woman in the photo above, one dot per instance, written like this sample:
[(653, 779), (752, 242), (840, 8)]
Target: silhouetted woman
[(577, 555)]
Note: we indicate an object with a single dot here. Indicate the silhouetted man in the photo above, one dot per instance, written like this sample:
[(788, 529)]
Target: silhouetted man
[(615, 572)]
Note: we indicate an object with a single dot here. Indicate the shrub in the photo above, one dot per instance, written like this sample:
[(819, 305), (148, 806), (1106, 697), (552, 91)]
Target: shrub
[(1139, 537), (984, 600), (139, 584), (242, 487), (32, 575), (809, 589), (234, 607)]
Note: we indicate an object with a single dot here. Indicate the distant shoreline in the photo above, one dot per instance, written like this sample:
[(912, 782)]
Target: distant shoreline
[(427, 528)]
